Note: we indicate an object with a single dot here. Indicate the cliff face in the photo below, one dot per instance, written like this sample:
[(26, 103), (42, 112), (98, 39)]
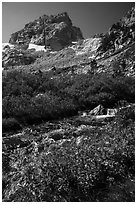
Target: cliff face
[(55, 31)]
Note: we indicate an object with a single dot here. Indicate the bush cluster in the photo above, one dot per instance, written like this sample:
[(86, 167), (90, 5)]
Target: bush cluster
[(10, 124), (31, 98)]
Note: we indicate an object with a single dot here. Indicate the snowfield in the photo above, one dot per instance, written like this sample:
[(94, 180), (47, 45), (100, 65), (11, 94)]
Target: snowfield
[(37, 47)]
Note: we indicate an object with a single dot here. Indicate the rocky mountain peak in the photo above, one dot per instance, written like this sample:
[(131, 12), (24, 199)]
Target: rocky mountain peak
[(54, 31), (62, 17)]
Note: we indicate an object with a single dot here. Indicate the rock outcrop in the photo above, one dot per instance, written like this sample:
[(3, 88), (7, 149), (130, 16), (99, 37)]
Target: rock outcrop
[(120, 34), (55, 31), (15, 56)]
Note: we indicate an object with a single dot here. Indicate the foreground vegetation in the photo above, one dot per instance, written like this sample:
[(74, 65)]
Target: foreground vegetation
[(99, 165)]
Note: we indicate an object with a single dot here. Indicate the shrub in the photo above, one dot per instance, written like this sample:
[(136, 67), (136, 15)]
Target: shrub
[(126, 116), (119, 67), (10, 124), (62, 97)]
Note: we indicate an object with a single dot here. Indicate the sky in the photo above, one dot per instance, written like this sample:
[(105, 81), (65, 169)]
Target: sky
[(91, 17)]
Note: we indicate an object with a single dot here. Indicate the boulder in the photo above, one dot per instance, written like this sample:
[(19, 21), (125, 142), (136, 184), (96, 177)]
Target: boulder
[(112, 111), (97, 110), (57, 134)]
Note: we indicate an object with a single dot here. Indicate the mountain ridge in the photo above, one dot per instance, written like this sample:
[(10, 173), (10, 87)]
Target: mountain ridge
[(101, 47)]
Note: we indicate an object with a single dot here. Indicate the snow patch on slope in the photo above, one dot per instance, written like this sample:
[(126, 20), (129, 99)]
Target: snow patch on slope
[(37, 47)]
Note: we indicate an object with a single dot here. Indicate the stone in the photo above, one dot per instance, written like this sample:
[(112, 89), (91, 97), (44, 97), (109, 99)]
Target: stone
[(97, 110), (57, 134), (112, 111)]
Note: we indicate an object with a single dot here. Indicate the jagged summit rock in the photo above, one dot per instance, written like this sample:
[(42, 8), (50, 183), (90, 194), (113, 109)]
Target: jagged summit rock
[(55, 31)]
